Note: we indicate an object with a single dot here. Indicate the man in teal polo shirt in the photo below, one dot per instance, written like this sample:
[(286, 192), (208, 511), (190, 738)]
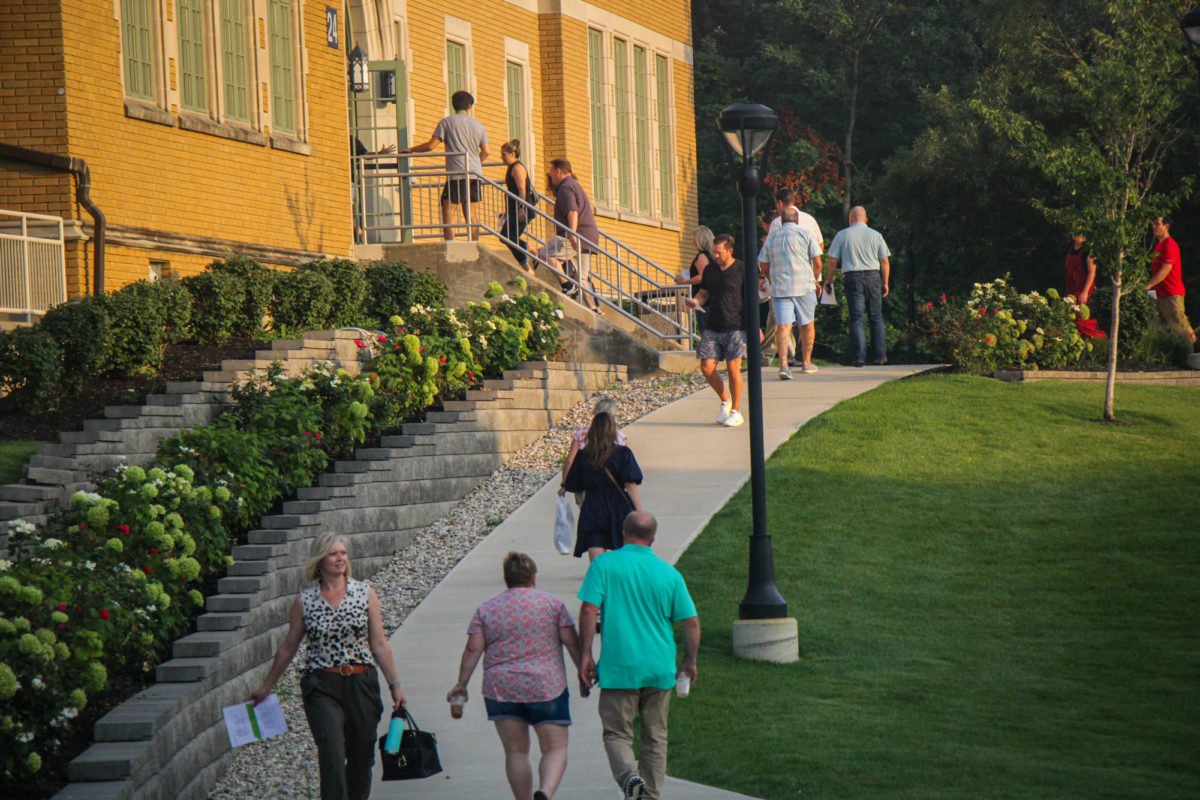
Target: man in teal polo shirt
[(641, 597)]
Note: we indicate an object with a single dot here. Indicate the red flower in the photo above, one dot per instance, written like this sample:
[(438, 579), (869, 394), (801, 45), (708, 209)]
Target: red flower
[(982, 312), (929, 304), (146, 570), (104, 613), (397, 347), (359, 342), (471, 374), (383, 337), (934, 330), (62, 606), (306, 433), (943, 298), (82, 526), (79, 608), (154, 550), (442, 360), (318, 436), (123, 529)]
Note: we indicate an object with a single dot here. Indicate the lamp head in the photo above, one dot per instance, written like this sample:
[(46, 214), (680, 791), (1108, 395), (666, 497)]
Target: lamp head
[(359, 74), (1190, 24), (746, 128)]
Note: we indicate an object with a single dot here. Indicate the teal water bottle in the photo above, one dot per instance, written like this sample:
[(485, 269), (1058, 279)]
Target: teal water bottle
[(395, 729)]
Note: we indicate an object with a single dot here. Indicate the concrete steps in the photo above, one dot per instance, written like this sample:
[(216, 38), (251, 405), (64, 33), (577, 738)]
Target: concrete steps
[(169, 740)]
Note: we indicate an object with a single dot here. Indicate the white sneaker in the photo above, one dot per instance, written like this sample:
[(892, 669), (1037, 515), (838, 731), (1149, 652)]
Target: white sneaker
[(808, 369), (726, 407), (785, 374), (733, 420)]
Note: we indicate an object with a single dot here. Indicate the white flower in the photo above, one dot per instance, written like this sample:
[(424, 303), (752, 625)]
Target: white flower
[(558, 312), (38, 683), (53, 544), (89, 565), (25, 737), (5, 564)]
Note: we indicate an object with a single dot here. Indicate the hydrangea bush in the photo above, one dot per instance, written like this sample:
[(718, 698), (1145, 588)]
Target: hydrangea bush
[(98, 595), (998, 327)]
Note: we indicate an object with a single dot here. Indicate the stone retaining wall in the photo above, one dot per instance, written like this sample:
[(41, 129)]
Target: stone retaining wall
[(1182, 377), (170, 740)]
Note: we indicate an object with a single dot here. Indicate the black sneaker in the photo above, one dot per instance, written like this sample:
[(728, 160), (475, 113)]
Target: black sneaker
[(634, 787), (856, 363)]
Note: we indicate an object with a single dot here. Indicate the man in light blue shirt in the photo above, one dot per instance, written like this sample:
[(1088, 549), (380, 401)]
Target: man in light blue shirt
[(641, 596), (791, 260), (865, 261)]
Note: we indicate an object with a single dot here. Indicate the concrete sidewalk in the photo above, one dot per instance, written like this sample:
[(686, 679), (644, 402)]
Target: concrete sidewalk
[(685, 484)]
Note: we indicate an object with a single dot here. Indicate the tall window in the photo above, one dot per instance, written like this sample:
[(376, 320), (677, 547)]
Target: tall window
[(666, 160), (193, 60), (283, 72), (456, 68), (515, 75), (234, 72), (596, 100), (624, 173), (641, 129), (137, 42)]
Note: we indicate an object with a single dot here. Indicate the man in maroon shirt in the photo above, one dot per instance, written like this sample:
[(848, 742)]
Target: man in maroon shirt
[(1166, 279)]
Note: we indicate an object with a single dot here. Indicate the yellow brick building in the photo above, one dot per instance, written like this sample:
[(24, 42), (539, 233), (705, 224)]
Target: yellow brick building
[(213, 127)]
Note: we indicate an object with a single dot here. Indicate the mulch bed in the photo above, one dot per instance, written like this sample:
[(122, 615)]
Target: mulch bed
[(186, 361)]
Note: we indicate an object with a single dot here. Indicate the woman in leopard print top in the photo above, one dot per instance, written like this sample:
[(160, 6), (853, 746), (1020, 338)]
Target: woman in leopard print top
[(344, 625)]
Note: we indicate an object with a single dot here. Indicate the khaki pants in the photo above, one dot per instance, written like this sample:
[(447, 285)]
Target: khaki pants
[(1170, 308), (618, 707)]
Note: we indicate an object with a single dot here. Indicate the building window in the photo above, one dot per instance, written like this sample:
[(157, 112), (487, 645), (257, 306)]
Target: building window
[(137, 40), (283, 72), (666, 159), (641, 129), (599, 118), (193, 59), (621, 85), (235, 60), (456, 68), (515, 77)]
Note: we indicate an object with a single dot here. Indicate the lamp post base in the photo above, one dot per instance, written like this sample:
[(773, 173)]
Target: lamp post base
[(775, 640)]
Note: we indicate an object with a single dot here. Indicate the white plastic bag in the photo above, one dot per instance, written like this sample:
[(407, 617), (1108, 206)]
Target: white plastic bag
[(564, 526)]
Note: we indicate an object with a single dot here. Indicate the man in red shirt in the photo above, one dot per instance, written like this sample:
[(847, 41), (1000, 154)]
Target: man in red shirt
[(1166, 279)]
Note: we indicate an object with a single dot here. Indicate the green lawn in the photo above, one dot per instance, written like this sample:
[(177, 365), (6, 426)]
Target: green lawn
[(997, 597), (13, 456)]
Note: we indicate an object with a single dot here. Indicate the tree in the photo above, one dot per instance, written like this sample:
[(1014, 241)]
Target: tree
[(1116, 69)]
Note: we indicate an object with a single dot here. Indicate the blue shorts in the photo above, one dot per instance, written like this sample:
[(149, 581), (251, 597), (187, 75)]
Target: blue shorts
[(801, 309), (721, 345), (556, 711)]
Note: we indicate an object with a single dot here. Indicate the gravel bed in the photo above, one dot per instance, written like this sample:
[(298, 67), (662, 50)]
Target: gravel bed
[(285, 767)]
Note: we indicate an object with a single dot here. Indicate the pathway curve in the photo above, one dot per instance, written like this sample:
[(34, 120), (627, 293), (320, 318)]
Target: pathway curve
[(692, 467)]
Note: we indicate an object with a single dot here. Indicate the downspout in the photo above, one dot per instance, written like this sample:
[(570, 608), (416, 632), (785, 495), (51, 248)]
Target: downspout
[(83, 184)]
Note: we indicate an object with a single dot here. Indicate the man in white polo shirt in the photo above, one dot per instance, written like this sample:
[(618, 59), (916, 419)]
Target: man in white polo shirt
[(865, 261)]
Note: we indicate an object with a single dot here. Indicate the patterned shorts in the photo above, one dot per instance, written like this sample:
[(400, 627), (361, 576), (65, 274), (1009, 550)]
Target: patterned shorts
[(721, 345)]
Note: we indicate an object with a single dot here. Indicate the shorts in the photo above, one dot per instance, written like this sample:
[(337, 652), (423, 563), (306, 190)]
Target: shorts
[(800, 309), (721, 345), (456, 190), (1170, 308), (556, 711)]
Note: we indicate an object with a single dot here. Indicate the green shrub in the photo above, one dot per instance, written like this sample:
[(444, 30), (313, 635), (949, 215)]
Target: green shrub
[(394, 288), (216, 306), (349, 290), (257, 284), (175, 301), (1161, 347), (135, 322), (404, 381), (80, 328), (30, 368), (303, 301), (1137, 313)]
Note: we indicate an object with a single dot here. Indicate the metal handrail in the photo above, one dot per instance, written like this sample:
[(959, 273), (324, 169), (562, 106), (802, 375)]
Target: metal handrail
[(622, 286)]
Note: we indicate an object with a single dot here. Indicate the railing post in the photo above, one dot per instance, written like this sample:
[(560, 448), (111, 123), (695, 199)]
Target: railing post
[(25, 264)]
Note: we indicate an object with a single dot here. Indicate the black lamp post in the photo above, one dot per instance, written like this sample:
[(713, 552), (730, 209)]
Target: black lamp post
[(746, 129)]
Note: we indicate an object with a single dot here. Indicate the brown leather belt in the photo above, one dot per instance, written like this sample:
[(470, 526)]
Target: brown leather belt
[(347, 669)]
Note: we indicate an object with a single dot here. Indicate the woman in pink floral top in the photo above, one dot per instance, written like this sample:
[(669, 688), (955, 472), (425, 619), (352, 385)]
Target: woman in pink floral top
[(521, 634)]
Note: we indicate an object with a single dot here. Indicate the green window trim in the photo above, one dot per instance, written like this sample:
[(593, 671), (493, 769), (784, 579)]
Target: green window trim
[(666, 160), (598, 117), (641, 129), (137, 42), (283, 73), (456, 69), (193, 59), (621, 74), (515, 78), (234, 60)]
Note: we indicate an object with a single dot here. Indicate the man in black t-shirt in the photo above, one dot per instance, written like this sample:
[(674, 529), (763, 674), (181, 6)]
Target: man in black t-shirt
[(724, 338)]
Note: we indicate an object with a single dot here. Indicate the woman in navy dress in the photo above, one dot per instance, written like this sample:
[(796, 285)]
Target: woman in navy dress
[(606, 500)]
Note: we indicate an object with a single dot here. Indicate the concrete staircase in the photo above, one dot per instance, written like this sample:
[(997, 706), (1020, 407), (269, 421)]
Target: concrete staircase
[(170, 740), (131, 434)]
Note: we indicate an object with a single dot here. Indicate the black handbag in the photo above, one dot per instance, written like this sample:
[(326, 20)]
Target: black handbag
[(418, 756)]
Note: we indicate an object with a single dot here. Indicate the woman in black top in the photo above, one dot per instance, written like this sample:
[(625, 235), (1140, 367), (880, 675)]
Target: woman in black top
[(516, 215), (702, 238)]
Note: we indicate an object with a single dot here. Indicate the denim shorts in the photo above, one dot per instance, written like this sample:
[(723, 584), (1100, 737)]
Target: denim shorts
[(556, 711), (801, 309), (721, 345)]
